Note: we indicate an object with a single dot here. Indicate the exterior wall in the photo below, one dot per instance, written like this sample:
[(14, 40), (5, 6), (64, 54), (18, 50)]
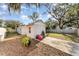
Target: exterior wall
[(36, 29), (30, 34), (19, 30), (66, 30)]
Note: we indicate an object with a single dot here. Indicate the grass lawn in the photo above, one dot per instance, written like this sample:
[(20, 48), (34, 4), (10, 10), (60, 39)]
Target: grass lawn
[(11, 34), (67, 37)]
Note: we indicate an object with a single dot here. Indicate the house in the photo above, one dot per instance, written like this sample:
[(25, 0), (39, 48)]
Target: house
[(32, 29)]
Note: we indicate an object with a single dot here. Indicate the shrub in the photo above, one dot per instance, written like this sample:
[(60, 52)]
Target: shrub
[(10, 30), (25, 41), (43, 34)]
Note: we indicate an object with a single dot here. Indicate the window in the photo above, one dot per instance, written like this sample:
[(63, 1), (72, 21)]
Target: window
[(29, 29)]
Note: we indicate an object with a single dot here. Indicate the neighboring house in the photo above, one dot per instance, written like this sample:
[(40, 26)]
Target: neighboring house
[(32, 29)]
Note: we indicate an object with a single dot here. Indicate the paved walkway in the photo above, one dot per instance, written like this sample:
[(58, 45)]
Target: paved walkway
[(14, 37), (65, 46)]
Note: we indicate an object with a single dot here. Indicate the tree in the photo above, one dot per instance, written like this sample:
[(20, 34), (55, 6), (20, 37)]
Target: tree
[(12, 24), (58, 11), (17, 6), (48, 24), (73, 15), (34, 16), (51, 24), (1, 22)]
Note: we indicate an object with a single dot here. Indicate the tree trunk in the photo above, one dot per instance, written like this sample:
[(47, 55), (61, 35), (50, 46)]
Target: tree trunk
[(60, 24), (77, 31), (77, 28)]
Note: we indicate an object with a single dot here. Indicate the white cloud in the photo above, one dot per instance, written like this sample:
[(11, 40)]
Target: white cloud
[(4, 7), (24, 16), (54, 4), (2, 13), (48, 15), (23, 7), (40, 16)]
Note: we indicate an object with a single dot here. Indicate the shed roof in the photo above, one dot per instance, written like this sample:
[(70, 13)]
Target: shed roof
[(30, 24)]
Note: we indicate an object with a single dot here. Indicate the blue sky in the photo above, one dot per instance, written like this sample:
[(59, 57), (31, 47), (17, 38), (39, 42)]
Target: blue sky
[(22, 16)]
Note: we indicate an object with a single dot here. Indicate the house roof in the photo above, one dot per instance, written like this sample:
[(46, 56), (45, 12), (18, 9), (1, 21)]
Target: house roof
[(30, 24)]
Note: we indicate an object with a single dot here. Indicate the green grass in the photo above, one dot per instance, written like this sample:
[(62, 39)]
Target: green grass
[(63, 37), (11, 34)]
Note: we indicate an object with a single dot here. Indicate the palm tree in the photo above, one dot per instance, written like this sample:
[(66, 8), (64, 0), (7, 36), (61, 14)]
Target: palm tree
[(34, 16)]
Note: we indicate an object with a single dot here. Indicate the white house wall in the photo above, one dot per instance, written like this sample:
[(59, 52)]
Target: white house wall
[(66, 30), (30, 34), (19, 30), (36, 29)]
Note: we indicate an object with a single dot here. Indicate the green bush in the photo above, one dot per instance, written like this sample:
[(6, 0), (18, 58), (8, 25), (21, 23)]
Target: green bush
[(25, 41), (10, 29), (43, 34)]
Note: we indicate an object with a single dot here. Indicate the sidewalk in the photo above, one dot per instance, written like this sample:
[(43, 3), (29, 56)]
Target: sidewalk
[(14, 37), (65, 46)]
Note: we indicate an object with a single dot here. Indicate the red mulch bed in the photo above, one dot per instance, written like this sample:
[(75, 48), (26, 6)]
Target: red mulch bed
[(15, 48)]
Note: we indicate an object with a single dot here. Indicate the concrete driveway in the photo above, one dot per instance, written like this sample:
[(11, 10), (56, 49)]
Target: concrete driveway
[(65, 46)]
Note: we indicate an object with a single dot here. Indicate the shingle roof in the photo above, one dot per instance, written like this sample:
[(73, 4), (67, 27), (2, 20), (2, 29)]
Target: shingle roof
[(35, 22)]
